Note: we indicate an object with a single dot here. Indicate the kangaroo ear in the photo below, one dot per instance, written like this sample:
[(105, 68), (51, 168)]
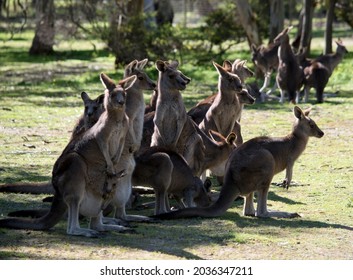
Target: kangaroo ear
[(107, 82), (253, 48), (298, 113), (174, 64), (307, 112), (85, 97), (128, 82), (231, 138), (130, 68), (161, 65), (141, 64), (100, 99), (221, 71), (227, 65)]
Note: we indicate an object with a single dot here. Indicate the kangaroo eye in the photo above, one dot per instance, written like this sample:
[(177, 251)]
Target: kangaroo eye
[(140, 78), (171, 76)]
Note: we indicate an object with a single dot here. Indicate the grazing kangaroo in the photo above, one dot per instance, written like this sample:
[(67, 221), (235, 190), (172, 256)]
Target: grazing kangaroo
[(82, 174), (289, 74), (173, 129), (135, 107), (320, 69), (168, 173), (266, 60), (251, 168)]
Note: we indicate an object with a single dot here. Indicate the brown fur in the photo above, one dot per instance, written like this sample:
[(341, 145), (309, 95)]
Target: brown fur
[(318, 71), (168, 174), (80, 173), (289, 75), (173, 129), (251, 168)]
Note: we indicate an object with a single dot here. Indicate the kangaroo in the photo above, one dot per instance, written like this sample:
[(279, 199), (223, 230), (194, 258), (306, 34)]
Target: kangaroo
[(319, 70), (198, 112), (135, 107), (251, 168), (173, 129), (93, 110), (82, 174), (167, 172), (289, 75), (266, 60), (224, 114)]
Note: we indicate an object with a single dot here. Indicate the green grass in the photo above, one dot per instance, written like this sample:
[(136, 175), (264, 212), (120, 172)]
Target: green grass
[(40, 103)]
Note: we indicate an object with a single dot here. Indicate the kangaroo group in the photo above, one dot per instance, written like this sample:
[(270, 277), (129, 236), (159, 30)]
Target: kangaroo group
[(120, 143)]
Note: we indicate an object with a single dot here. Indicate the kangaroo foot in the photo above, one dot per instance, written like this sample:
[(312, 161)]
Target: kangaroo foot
[(277, 214), (115, 221), (118, 228), (84, 232)]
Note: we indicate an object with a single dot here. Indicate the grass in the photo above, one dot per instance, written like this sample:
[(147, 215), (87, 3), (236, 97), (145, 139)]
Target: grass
[(40, 103)]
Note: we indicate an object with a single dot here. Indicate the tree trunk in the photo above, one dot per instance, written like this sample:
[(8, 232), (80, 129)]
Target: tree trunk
[(43, 40), (330, 12), (305, 38), (164, 12), (248, 22), (276, 18)]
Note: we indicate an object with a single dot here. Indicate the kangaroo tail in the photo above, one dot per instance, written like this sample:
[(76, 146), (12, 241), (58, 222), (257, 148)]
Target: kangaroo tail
[(57, 210), (32, 188), (37, 213), (215, 210)]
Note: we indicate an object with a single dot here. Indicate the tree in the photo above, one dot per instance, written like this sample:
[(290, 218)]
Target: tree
[(276, 18), (248, 22), (330, 12), (305, 37), (43, 40)]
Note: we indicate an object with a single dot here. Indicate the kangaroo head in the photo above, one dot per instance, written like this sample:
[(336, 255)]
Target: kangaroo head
[(341, 49), (245, 97), (227, 80), (115, 94), (170, 76), (93, 107), (304, 125), (283, 37), (239, 68), (200, 193), (143, 81)]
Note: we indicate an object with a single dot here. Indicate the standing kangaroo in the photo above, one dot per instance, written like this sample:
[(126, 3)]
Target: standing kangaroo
[(82, 175), (266, 60), (225, 112), (289, 74), (173, 128), (198, 112), (320, 69), (251, 168), (135, 108)]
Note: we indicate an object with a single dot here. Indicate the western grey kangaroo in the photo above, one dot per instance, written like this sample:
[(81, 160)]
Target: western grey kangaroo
[(251, 168), (198, 112), (93, 108), (135, 108), (225, 112), (173, 129), (266, 60), (289, 74), (82, 174), (168, 173), (320, 69)]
